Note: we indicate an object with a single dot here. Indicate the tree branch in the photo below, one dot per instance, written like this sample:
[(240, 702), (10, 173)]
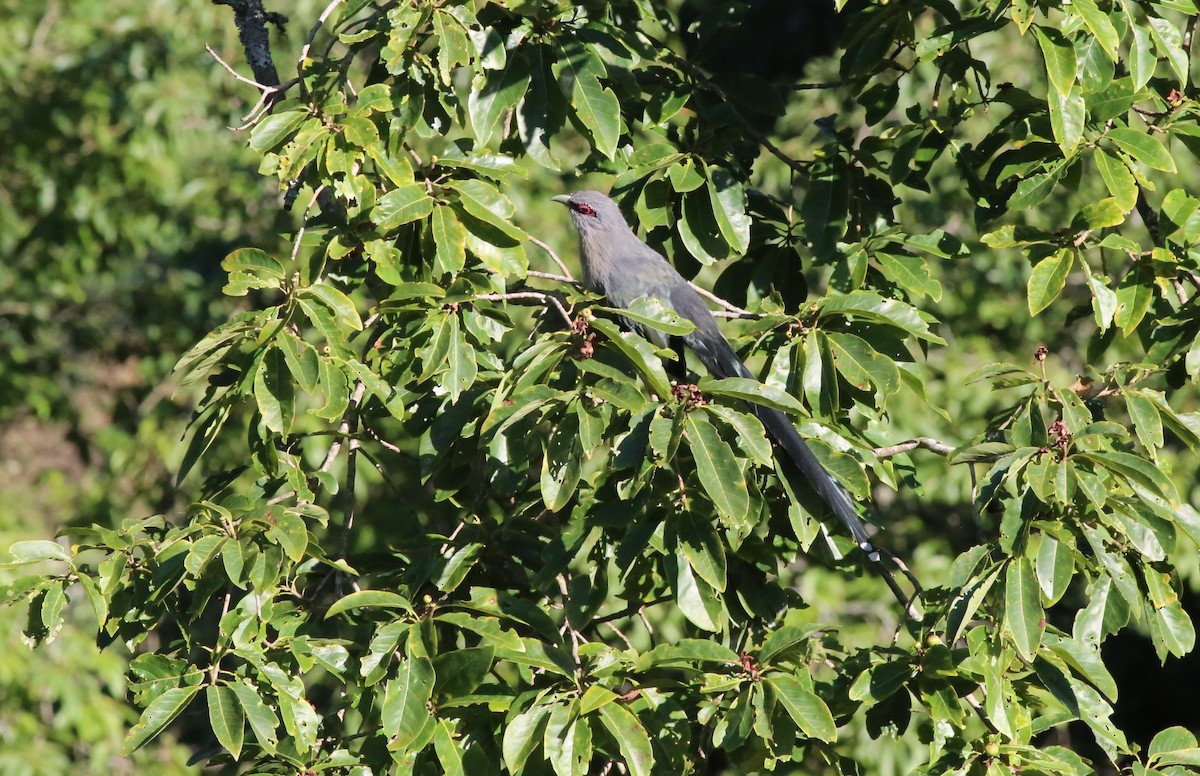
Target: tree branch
[(941, 448)]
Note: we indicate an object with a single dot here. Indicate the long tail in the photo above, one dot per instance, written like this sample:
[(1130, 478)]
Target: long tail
[(722, 361)]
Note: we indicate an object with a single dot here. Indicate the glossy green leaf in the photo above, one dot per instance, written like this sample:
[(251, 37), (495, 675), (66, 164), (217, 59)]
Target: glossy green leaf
[(697, 601), (34, 550), (806, 709), (862, 365), (1048, 278), (251, 268), (703, 548), (449, 239), (494, 94), (400, 206), (1142, 147), (1024, 618), (404, 714), (750, 390), (274, 392), (631, 738), (599, 112), (1055, 567), (1059, 56), (369, 599), (728, 206), (686, 653), (263, 722), (522, 734), (655, 314), (226, 718), (337, 302), (1100, 25), (640, 354), (160, 713), (718, 470), (1134, 293)]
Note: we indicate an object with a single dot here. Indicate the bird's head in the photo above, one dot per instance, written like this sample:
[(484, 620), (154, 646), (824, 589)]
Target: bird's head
[(594, 213)]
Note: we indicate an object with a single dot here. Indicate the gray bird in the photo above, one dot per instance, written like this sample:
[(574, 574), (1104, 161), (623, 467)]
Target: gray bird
[(623, 268)]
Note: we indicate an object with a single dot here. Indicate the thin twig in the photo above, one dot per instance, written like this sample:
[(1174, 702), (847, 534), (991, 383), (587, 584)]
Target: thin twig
[(553, 256), (544, 298), (269, 94), (729, 306), (234, 73), (551, 276), (941, 448)]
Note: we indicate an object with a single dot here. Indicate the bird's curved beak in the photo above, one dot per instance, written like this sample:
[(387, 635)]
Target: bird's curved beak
[(563, 198)]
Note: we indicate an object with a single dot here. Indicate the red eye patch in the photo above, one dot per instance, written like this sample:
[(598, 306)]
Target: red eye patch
[(587, 210)]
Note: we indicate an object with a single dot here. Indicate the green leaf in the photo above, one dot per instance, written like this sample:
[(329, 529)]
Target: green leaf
[(35, 550), (782, 642), (729, 208), (1068, 113), (718, 471), (1143, 148), (226, 718), (1100, 25), (448, 749), (1023, 615), (302, 359), (562, 463), (873, 307), (337, 302), (251, 268), (1146, 420), (449, 239), (752, 438), (400, 206), (274, 392), (750, 390), (1142, 61), (262, 719), (631, 737), (568, 742), (911, 273), (599, 112), (686, 652), (269, 133), (596, 696), (1059, 56), (1175, 629), (1169, 42), (654, 313), (521, 736), (369, 599), (1055, 567), (698, 602), (494, 94), (290, 532), (1098, 215), (1135, 292), (640, 354), (1136, 469), (461, 366), (1032, 191), (806, 709), (1048, 278), (703, 548), (405, 713), (861, 364), (824, 211), (460, 671), (160, 713)]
